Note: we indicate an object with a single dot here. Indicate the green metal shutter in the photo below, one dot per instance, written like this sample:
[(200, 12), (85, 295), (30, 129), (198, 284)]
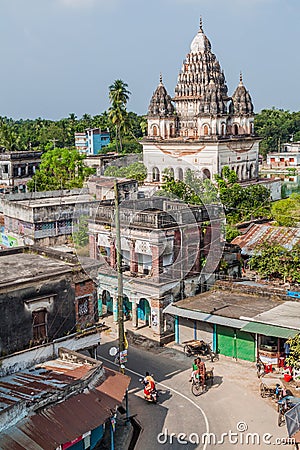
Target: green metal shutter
[(245, 344), (225, 341)]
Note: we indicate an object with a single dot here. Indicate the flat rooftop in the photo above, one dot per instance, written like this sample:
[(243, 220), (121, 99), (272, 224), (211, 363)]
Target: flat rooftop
[(54, 201), (19, 267), (233, 304)]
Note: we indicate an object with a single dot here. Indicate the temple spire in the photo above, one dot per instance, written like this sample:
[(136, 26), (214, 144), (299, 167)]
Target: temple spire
[(241, 78), (201, 24), (160, 78)]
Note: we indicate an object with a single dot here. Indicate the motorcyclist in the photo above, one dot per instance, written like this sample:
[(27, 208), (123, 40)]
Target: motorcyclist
[(149, 384)]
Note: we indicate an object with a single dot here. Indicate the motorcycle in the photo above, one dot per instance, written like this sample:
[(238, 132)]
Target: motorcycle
[(153, 394)]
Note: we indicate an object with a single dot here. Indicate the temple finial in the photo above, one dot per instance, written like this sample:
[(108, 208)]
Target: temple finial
[(241, 77), (160, 77), (201, 24)]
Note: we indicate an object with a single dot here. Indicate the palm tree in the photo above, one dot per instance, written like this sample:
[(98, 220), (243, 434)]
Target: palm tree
[(9, 138), (118, 96)]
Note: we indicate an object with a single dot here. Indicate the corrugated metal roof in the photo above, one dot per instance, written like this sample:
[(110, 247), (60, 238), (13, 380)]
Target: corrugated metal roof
[(270, 330), (34, 383), (204, 317), (69, 419), (259, 234)]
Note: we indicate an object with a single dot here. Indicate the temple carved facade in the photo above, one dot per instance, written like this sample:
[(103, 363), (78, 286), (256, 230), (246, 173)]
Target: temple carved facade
[(201, 128)]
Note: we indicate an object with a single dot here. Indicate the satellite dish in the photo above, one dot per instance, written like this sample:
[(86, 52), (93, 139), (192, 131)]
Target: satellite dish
[(113, 351)]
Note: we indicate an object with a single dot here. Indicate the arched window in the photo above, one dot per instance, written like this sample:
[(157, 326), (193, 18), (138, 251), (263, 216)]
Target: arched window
[(171, 130), (155, 174), (235, 129), (171, 172), (251, 128), (223, 129), (155, 130), (205, 130), (180, 174), (206, 173)]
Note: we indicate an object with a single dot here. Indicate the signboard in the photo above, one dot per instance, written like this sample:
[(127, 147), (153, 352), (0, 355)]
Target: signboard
[(8, 241), (123, 357)]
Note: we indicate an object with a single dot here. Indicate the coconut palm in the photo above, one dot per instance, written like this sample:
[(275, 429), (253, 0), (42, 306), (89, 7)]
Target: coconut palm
[(118, 96)]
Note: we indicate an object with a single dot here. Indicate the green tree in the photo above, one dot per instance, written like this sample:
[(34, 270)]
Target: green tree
[(286, 212), (293, 359), (272, 260), (119, 96), (60, 168), (275, 126), (136, 171), (81, 236), (9, 138)]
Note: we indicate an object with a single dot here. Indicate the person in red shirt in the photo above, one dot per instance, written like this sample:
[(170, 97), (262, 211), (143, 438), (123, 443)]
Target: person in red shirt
[(149, 385)]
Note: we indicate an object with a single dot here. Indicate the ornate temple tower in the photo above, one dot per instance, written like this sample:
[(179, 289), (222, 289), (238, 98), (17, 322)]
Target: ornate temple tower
[(204, 129), (161, 114)]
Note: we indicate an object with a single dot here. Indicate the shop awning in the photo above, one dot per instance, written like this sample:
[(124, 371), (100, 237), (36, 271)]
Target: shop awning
[(204, 317), (270, 330)]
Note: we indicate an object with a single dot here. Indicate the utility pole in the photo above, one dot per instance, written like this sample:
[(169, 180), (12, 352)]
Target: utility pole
[(120, 276)]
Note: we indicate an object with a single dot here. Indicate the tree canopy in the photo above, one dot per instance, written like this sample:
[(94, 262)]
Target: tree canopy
[(286, 212), (60, 168), (136, 171), (272, 260), (44, 134), (293, 359), (275, 127)]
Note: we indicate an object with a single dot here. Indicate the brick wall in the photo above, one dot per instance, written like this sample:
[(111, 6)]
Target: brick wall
[(86, 308)]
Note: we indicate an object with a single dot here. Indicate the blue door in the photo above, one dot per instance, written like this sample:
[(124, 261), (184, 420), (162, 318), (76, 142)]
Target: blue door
[(144, 310)]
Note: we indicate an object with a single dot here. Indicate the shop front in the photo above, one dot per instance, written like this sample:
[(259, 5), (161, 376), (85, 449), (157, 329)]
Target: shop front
[(272, 346)]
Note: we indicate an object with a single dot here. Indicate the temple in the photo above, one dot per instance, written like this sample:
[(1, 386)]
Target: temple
[(201, 128)]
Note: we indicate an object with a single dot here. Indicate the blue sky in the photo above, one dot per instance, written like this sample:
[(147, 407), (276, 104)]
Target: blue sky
[(60, 56)]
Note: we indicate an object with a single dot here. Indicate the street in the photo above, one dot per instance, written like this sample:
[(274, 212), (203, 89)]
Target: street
[(232, 406)]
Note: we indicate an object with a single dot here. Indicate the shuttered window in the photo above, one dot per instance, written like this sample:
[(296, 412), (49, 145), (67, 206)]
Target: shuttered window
[(39, 324)]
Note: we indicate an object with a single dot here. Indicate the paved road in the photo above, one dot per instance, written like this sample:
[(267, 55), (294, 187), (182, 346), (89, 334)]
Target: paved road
[(232, 402)]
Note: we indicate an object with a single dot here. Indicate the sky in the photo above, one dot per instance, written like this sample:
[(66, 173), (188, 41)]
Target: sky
[(60, 56)]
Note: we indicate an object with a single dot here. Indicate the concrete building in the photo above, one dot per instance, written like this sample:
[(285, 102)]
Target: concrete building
[(43, 218), (92, 141), (243, 320), (289, 156), (16, 169), (169, 252), (102, 188), (63, 403), (44, 294)]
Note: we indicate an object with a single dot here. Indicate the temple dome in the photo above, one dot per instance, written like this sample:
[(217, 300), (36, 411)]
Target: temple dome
[(200, 42)]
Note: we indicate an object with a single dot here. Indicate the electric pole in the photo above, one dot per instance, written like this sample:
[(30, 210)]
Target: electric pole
[(120, 276)]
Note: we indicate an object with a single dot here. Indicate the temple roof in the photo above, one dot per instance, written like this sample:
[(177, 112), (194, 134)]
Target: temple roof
[(161, 103), (202, 78), (241, 100), (200, 42)]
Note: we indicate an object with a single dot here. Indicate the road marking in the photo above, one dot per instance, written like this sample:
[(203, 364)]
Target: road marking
[(173, 390)]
